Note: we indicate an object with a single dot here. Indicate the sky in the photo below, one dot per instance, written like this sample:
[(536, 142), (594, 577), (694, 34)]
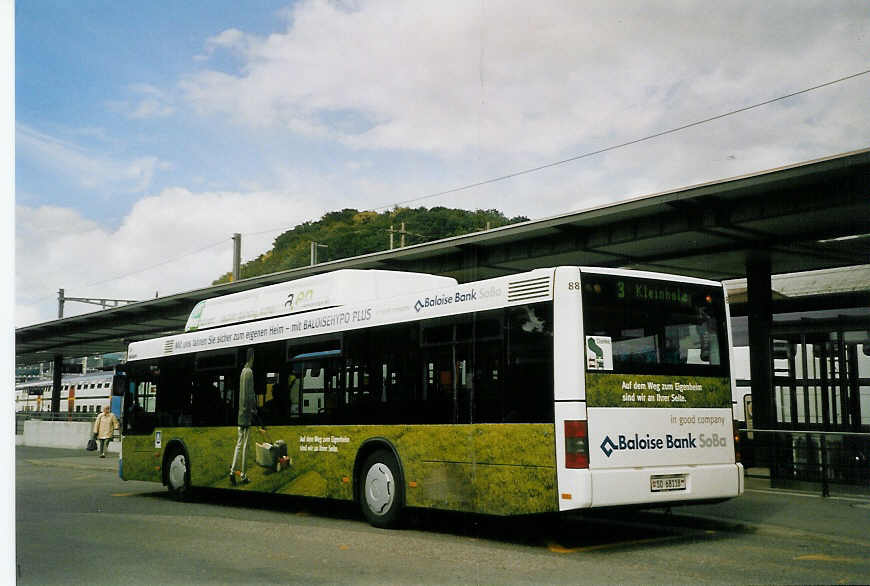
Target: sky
[(147, 133)]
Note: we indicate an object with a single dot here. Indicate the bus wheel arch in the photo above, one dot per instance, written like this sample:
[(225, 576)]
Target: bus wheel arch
[(176, 469), (379, 483)]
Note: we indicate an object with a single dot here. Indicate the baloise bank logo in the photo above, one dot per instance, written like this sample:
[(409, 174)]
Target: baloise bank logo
[(439, 300), (640, 443)]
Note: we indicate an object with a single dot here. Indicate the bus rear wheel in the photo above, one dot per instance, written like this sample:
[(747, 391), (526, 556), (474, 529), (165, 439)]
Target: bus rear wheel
[(178, 474), (382, 496)]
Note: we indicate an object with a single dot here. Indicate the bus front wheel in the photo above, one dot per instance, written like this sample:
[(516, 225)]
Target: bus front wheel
[(381, 497), (178, 474)]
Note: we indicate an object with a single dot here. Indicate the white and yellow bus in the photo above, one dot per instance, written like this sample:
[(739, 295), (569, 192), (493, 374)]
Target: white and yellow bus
[(553, 390)]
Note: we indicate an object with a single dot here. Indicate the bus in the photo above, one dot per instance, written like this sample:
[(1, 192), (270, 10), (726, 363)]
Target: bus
[(553, 390)]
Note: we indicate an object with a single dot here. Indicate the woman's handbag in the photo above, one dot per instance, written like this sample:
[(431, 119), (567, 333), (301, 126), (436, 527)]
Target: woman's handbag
[(92, 443)]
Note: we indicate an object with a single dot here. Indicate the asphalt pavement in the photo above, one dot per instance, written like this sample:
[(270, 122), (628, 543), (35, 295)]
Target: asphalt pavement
[(763, 508), (220, 537), (79, 459)]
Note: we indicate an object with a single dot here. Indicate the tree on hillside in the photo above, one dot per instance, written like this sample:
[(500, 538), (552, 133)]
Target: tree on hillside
[(349, 232)]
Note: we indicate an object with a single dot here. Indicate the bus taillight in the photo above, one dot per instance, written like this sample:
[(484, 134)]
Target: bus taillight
[(738, 457), (576, 445)]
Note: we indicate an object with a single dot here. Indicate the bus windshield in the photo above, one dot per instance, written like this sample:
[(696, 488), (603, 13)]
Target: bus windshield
[(648, 326)]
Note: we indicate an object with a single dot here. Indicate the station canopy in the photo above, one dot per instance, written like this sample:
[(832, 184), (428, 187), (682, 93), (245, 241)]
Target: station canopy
[(802, 217)]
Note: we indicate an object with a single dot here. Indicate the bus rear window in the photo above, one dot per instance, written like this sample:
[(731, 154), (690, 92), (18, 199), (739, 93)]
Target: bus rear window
[(637, 325)]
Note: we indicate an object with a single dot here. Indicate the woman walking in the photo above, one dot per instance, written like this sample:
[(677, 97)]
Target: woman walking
[(104, 428)]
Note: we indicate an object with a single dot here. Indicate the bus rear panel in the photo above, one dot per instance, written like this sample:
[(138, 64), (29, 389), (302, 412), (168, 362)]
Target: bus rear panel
[(656, 379)]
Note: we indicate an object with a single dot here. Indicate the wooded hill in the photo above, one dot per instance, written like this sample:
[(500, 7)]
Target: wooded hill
[(351, 233)]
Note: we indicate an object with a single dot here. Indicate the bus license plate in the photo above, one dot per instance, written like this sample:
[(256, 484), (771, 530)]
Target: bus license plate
[(665, 483)]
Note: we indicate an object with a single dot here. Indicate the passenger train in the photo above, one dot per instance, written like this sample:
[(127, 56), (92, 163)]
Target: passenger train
[(80, 393)]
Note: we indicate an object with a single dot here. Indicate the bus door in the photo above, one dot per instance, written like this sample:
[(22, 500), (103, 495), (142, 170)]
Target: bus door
[(118, 384)]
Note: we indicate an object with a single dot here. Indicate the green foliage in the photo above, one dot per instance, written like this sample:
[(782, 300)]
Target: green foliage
[(350, 232), (503, 469)]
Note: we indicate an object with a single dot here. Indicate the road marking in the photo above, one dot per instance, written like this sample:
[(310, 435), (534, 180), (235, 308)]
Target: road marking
[(558, 548), (823, 557), (123, 494)]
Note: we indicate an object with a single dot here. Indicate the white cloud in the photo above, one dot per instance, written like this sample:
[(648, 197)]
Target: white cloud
[(82, 166), (454, 77), (59, 248), (228, 39), (151, 108), (148, 102)]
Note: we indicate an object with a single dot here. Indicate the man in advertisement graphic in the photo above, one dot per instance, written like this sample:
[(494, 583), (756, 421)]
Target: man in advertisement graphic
[(247, 408)]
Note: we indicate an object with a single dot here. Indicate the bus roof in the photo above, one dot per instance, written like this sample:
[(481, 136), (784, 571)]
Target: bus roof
[(316, 292), (351, 299), (650, 275)]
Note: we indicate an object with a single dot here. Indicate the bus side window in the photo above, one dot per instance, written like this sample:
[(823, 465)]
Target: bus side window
[(294, 386), (276, 408), (140, 416), (320, 390), (313, 386), (146, 394)]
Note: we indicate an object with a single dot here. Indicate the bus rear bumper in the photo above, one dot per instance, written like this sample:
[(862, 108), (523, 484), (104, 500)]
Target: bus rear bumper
[(633, 486)]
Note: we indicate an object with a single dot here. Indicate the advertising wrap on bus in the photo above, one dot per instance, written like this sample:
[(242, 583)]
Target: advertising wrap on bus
[(650, 419), (657, 391), (640, 437), (497, 469)]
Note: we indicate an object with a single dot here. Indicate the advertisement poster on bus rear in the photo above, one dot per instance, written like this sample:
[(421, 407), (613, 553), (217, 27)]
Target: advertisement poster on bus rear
[(620, 438), (656, 391), (648, 420)]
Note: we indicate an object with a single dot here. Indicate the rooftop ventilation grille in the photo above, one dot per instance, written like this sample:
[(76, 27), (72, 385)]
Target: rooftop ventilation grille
[(529, 289)]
